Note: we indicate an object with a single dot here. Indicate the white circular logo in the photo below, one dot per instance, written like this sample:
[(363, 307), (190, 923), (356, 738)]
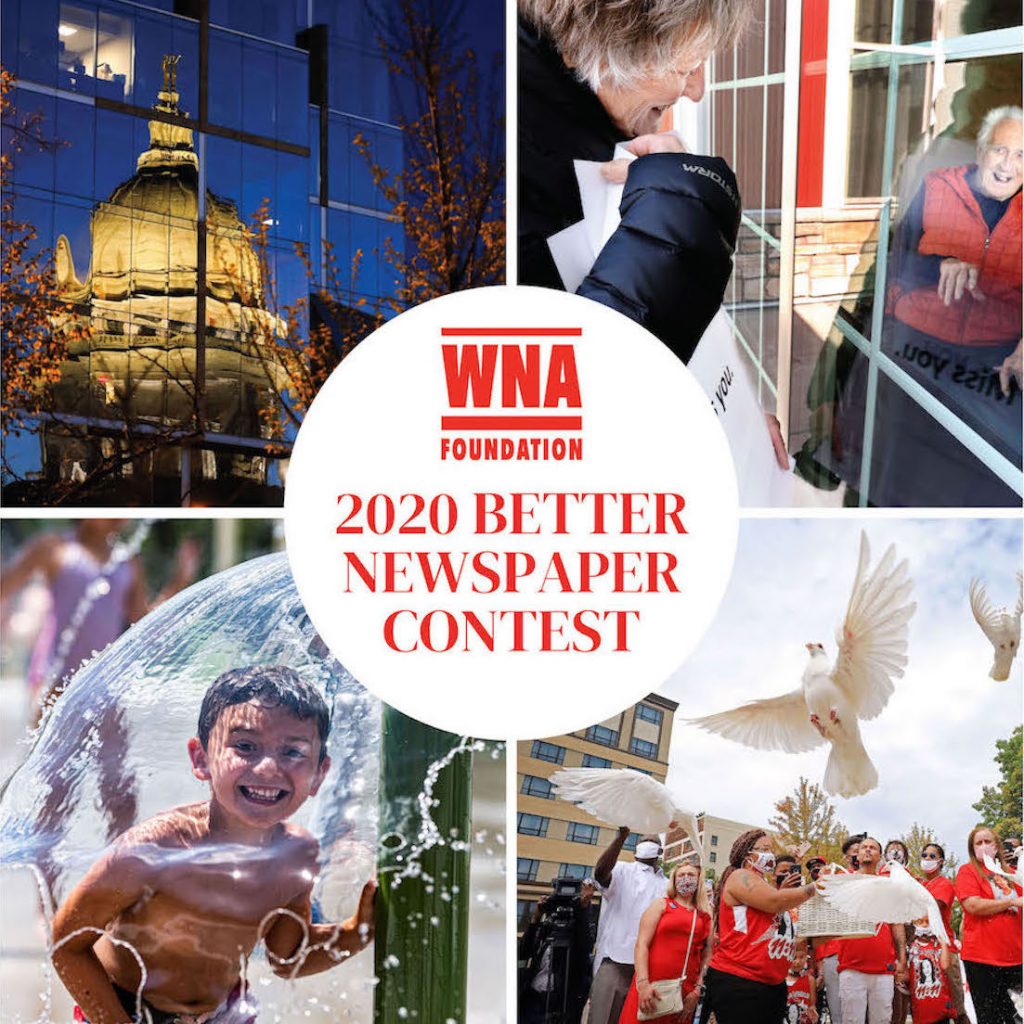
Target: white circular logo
[(511, 512)]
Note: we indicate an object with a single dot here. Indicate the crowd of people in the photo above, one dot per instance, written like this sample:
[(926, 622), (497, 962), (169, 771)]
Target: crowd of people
[(676, 948)]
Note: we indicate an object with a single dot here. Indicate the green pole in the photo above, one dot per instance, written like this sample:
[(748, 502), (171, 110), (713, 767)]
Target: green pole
[(422, 932)]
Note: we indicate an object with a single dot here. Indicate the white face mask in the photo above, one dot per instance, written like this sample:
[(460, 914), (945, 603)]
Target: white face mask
[(763, 861), (647, 851), (929, 866), (894, 856), (686, 885)]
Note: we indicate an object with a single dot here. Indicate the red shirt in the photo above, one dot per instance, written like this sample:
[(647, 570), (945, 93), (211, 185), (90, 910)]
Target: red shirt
[(754, 944), (874, 954), (798, 998), (941, 889), (994, 940), (930, 1000), (826, 949)]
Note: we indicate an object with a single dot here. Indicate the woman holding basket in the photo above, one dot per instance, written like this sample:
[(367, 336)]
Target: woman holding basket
[(746, 980)]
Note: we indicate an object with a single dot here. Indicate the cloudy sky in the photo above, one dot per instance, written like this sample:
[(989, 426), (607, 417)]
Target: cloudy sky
[(933, 744)]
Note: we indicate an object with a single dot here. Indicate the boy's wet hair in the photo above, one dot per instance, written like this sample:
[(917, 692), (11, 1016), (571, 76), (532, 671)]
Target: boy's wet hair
[(272, 685)]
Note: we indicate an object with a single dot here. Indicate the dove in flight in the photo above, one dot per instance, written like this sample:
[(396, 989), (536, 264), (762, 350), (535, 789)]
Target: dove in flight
[(1000, 625), (1017, 876), (621, 796), (872, 643), (895, 898)]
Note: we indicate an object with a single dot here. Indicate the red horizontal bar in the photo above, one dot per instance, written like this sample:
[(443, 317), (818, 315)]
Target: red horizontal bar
[(511, 422), (511, 332)]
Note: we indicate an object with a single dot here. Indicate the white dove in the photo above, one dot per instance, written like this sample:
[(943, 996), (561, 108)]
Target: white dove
[(1017, 877), (1001, 626), (872, 651), (621, 796), (896, 898)]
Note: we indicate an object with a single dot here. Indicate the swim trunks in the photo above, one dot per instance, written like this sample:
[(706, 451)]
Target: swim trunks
[(240, 1007)]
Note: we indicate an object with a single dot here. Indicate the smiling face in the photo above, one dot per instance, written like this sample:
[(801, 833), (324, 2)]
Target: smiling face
[(637, 109), (262, 762), (1000, 168)]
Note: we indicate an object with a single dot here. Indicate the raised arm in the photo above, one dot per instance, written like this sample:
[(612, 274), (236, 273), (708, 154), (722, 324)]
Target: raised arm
[(748, 889), (296, 947), (112, 885), (605, 863)]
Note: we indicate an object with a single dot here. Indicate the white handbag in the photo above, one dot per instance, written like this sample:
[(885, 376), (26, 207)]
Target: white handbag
[(670, 990)]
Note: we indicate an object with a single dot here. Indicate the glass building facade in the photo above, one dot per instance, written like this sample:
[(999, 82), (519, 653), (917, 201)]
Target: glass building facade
[(846, 123), (172, 124)]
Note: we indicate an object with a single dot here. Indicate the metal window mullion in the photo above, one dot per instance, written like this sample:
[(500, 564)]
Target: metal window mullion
[(986, 453), (787, 226), (761, 375), (764, 165), (756, 228), (881, 257)]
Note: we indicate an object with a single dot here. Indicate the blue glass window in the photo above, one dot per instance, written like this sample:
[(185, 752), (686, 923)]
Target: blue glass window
[(535, 786), (593, 761), (648, 714), (643, 748), (603, 735), (579, 871), (577, 832), (551, 752), (526, 869), (532, 825)]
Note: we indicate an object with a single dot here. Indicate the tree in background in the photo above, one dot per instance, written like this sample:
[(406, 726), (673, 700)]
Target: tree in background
[(1000, 805), (32, 349), (448, 196), (808, 816)]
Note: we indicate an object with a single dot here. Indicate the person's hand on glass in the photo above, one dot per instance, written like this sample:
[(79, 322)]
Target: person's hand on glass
[(779, 447), (955, 278), (643, 145), (1012, 368)]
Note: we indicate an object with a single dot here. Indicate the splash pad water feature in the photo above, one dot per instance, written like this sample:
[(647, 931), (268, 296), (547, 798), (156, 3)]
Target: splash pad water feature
[(54, 821)]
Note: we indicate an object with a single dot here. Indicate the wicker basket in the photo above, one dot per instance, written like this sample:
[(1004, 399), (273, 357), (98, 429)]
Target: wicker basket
[(818, 917)]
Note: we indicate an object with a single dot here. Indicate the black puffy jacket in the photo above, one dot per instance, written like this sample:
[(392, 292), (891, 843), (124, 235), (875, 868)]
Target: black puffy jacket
[(669, 261)]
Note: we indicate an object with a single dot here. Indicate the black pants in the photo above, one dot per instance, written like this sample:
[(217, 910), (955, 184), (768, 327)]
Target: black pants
[(990, 991), (736, 1000)]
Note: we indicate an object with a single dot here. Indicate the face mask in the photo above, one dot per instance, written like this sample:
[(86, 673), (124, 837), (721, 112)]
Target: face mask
[(981, 849), (686, 885), (763, 862), (894, 856), (647, 851), (929, 865)]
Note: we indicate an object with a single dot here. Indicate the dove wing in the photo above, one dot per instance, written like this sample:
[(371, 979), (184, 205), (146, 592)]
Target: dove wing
[(873, 637), (882, 899), (687, 821), (1019, 610), (775, 723), (617, 796), (986, 614)]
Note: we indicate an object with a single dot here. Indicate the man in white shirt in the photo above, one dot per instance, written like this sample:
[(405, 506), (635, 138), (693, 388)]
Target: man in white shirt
[(627, 890)]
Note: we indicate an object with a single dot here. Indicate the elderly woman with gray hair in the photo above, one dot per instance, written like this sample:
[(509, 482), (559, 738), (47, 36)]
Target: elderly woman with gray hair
[(596, 73)]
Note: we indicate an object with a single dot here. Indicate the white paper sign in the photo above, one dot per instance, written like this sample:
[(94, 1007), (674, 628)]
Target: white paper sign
[(716, 362)]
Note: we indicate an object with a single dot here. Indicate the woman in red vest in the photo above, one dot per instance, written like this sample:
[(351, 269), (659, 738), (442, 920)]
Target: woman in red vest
[(953, 324), (991, 935), (746, 980)]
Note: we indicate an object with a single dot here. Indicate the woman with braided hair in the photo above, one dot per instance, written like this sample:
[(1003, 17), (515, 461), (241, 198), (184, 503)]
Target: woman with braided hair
[(746, 980)]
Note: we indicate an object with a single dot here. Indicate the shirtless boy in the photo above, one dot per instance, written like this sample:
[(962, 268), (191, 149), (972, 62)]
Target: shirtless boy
[(193, 890)]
